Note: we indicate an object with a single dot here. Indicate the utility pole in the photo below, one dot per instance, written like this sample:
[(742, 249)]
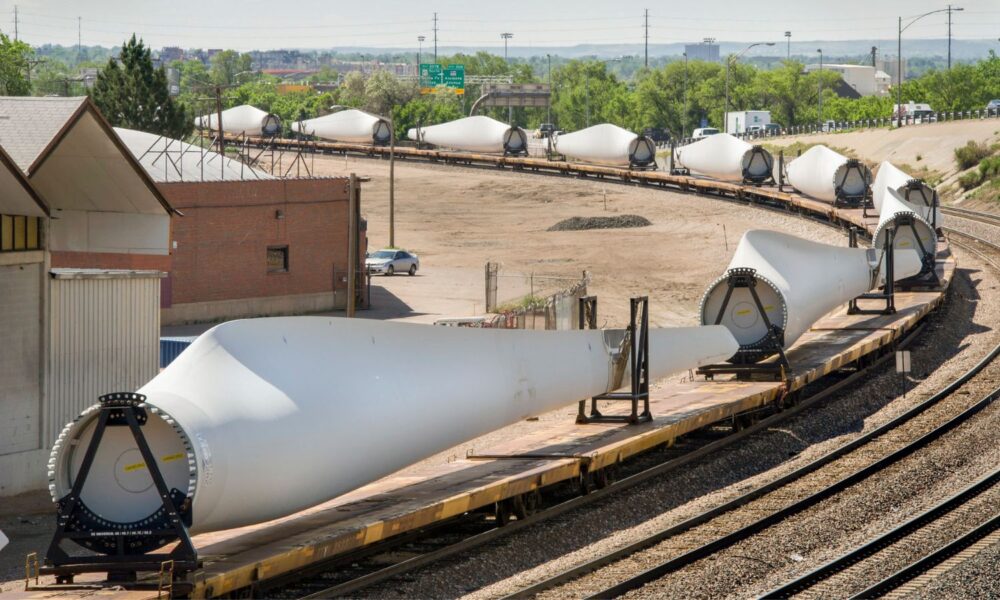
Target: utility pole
[(646, 62), (951, 10), (788, 41), (435, 37), (899, 75), (510, 110), (684, 116), (392, 181), (352, 243), (79, 39), (820, 96), (15, 22), (548, 103), (420, 48)]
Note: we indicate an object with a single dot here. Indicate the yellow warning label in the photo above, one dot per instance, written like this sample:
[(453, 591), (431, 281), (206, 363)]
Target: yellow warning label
[(171, 457), (767, 308), (135, 467), (745, 311)]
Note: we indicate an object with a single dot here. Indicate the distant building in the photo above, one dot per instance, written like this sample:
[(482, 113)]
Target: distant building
[(863, 79), (890, 65), (707, 51), (171, 53)]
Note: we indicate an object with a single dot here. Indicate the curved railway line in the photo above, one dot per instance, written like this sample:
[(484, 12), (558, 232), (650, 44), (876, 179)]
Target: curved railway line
[(827, 470), (948, 409)]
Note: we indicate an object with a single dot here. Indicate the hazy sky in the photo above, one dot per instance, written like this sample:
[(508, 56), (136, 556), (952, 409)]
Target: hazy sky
[(249, 24)]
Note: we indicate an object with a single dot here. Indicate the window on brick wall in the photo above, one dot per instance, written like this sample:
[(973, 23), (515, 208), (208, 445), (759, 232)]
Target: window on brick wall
[(19, 233), (277, 259)]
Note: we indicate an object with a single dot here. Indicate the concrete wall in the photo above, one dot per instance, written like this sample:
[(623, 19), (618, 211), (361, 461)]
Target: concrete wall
[(220, 247), (22, 456), (130, 233)]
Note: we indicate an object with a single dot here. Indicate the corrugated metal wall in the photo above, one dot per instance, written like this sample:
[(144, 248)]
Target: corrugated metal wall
[(105, 337)]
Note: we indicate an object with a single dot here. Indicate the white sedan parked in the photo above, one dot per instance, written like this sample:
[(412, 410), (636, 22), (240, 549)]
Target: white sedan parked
[(390, 262)]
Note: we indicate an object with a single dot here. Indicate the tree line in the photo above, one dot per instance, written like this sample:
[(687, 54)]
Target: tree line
[(677, 95)]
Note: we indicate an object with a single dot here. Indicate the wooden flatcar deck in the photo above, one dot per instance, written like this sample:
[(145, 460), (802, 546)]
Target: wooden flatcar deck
[(423, 495)]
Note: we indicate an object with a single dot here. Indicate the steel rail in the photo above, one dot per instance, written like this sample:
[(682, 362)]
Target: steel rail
[(928, 562), (972, 215), (745, 532), (485, 537), (856, 555)]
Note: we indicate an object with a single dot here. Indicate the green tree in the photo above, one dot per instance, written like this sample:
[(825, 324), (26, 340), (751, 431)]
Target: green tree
[(229, 67), (14, 64), (426, 110), (131, 93), (585, 93)]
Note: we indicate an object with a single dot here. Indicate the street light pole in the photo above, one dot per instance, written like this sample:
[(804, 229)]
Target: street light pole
[(729, 60), (899, 55), (684, 116), (420, 49), (548, 105), (788, 39), (510, 110)]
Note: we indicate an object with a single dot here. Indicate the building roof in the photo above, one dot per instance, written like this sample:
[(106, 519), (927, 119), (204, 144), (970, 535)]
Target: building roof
[(73, 158), (28, 125), (17, 197), (168, 160)]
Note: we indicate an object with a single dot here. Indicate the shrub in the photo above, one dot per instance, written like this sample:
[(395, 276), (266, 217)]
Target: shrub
[(970, 180), (970, 154), (989, 168)]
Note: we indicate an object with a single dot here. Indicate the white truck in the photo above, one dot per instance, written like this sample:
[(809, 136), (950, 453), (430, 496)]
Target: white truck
[(741, 121)]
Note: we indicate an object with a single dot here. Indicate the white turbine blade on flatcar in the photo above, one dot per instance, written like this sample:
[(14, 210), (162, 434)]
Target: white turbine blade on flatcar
[(355, 126), (473, 134), (921, 199), (606, 144), (243, 119), (819, 171), (260, 418), (798, 282), (919, 236), (724, 157)]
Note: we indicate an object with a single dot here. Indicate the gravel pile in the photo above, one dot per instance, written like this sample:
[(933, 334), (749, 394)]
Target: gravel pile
[(954, 340), (616, 222)]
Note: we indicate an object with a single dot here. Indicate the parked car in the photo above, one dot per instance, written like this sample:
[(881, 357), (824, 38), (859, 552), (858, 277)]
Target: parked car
[(546, 129), (703, 132), (993, 104), (829, 125), (755, 130), (390, 262), (772, 129)]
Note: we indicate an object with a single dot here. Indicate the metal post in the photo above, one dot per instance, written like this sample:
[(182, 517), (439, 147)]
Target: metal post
[(684, 117), (949, 37), (435, 37), (788, 52), (899, 75), (352, 242), (725, 113), (392, 181), (218, 115)]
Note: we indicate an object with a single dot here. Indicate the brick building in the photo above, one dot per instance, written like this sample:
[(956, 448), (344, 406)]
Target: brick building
[(248, 244), (258, 247)]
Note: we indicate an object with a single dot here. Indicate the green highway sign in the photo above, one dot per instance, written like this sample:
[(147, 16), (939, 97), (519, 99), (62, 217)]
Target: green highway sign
[(454, 77), (433, 75)]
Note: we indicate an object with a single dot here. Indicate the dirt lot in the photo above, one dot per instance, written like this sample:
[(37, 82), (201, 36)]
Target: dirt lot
[(457, 219)]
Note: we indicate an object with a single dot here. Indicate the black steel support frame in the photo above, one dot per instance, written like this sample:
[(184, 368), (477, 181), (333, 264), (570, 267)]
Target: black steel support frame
[(119, 410), (638, 349), (781, 170), (888, 293), (744, 363), (673, 169), (855, 201), (766, 179)]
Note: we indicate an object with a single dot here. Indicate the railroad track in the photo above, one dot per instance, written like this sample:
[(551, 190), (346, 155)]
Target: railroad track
[(726, 525), (350, 574), (979, 501)]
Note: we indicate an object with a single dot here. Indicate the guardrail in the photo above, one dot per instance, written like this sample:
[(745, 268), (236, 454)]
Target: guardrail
[(841, 126)]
